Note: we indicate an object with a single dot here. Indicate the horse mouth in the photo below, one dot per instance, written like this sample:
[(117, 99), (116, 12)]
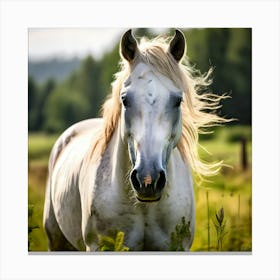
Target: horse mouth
[(149, 200)]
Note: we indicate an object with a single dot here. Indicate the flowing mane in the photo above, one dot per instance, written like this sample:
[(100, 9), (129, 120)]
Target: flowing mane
[(198, 108)]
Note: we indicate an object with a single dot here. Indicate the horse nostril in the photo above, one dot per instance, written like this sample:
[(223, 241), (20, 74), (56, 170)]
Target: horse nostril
[(161, 180), (134, 180)]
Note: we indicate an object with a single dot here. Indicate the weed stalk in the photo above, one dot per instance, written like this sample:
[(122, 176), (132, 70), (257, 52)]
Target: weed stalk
[(220, 225), (208, 222)]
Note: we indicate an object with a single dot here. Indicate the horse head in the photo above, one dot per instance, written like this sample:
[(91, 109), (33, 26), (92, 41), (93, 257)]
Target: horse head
[(151, 122)]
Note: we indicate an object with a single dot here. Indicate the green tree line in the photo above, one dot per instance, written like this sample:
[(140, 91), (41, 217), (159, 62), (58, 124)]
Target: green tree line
[(55, 105)]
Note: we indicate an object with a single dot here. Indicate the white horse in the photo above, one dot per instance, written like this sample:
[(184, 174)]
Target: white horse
[(131, 170)]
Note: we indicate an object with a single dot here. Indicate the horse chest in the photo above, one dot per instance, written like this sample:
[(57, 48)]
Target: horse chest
[(144, 227)]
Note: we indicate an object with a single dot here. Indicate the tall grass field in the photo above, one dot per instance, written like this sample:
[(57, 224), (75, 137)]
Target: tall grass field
[(223, 202)]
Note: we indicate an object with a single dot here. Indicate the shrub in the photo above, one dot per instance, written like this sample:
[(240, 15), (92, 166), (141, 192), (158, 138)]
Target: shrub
[(180, 236), (113, 242)]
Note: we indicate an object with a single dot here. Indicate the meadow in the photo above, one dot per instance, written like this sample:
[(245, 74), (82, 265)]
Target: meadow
[(223, 202)]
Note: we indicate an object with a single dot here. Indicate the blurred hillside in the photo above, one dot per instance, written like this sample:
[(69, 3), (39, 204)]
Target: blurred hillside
[(62, 92), (54, 68)]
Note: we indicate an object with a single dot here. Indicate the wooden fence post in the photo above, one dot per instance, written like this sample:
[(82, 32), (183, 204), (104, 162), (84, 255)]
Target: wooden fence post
[(244, 159)]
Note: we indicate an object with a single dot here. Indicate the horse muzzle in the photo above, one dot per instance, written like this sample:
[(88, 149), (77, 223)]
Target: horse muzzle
[(148, 185)]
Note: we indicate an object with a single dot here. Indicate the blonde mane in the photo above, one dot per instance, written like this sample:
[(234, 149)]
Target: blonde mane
[(198, 108)]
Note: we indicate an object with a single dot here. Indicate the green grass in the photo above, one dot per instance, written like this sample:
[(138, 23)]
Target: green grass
[(231, 189), (237, 210), (37, 238), (39, 146)]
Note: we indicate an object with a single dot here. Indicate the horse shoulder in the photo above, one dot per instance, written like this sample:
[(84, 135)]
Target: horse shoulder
[(177, 203), (90, 125), (180, 189)]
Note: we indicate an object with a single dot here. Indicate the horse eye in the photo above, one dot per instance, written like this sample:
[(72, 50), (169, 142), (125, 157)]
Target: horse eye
[(125, 101), (178, 101)]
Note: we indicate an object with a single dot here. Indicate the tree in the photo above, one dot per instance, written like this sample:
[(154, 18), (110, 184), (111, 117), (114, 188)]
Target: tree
[(89, 85), (63, 108), (32, 102), (47, 88), (77, 98), (228, 50)]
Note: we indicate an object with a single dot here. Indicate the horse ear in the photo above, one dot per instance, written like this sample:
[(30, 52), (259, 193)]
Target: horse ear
[(177, 45), (128, 46)]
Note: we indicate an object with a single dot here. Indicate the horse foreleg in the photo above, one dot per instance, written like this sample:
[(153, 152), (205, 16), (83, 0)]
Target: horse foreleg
[(92, 248), (56, 239)]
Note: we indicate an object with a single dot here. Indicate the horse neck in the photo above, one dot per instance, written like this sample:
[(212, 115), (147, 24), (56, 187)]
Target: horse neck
[(120, 157)]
